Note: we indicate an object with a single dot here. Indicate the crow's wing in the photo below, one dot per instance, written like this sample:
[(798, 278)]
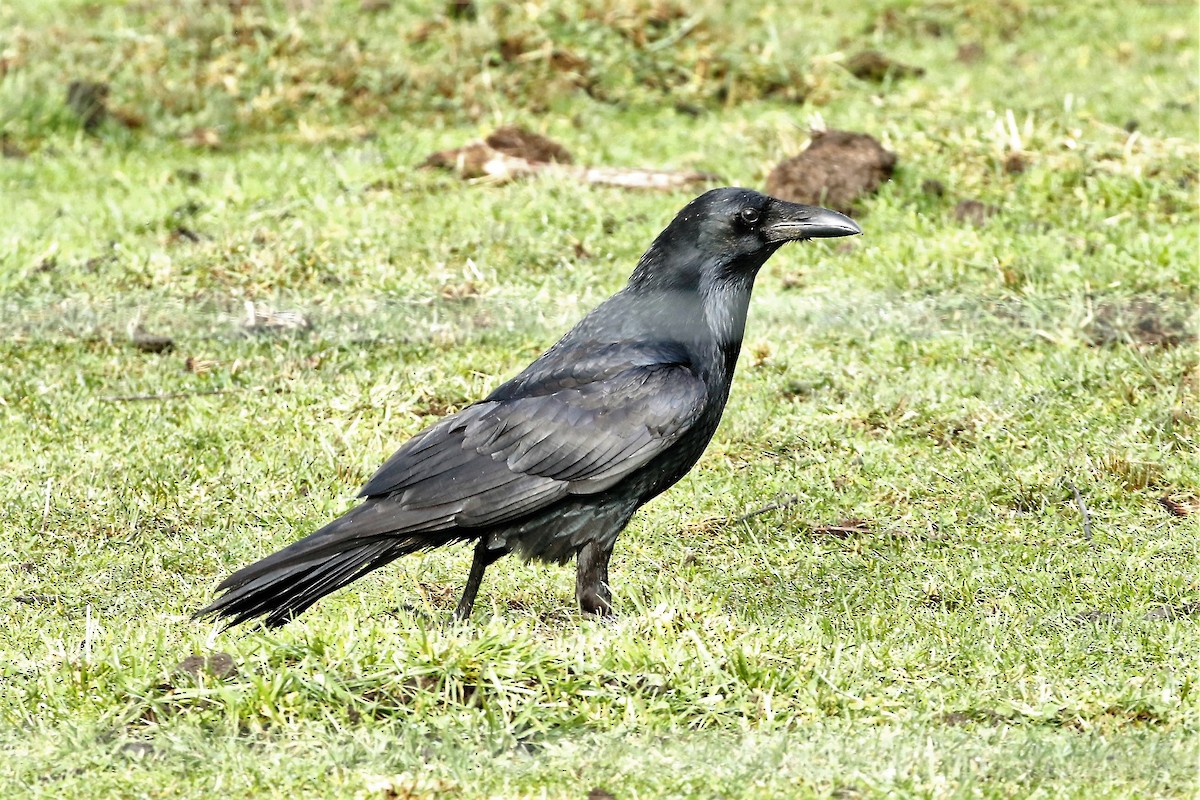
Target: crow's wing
[(502, 459)]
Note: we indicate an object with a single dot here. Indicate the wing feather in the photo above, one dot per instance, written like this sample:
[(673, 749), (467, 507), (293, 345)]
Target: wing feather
[(502, 459)]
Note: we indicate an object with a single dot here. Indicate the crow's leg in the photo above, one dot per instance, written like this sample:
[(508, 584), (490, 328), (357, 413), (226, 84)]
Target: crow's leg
[(591, 579), (484, 557)]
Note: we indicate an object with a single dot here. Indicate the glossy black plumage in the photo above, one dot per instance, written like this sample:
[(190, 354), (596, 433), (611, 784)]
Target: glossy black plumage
[(555, 462)]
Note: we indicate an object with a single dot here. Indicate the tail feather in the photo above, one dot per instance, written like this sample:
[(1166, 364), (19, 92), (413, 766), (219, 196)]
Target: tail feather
[(284, 584), (343, 570), (366, 538), (288, 588)]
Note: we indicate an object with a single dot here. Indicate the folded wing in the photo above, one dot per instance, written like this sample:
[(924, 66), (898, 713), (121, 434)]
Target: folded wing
[(502, 459)]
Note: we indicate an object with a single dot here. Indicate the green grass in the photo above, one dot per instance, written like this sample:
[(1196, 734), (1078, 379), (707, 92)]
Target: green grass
[(922, 617)]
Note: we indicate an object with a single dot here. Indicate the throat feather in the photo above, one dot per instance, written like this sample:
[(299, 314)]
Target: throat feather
[(725, 307)]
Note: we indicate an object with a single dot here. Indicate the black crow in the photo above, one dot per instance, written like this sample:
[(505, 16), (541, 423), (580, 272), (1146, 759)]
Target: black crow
[(555, 462)]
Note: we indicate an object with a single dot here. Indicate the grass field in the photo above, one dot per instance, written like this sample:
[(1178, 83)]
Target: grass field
[(944, 544)]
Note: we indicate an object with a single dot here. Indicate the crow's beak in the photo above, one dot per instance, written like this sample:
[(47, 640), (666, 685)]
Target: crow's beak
[(790, 222)]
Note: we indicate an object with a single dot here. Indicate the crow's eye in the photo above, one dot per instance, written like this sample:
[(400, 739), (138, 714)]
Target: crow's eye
[(749, 215)]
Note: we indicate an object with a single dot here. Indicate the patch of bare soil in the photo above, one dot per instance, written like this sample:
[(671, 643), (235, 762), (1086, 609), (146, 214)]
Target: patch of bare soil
[(1142, 321), (838, 169), (974, 212), (515, 141), (511, 153), (875, 67)]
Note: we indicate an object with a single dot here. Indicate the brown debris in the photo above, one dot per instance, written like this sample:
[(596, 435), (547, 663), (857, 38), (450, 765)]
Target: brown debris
[(837, 169), (10, 149), (511, 153), (1180, 508), (460, 292), (88, 101), (510, 141), (200, 366), (1142, 321), (1016, 163), (969, 53), (513, 140), (933, 188), (874, 66), (128, 118), (843, 529), (513, 47), (973, 212), (181, 233), (563, 60), (461, 9)]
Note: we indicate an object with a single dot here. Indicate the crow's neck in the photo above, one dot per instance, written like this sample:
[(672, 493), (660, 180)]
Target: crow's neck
[(725, 303), (695, 300)]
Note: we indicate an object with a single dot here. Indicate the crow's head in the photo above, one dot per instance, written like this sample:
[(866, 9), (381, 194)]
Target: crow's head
[(727, 233), (694, 282), (740, 224)]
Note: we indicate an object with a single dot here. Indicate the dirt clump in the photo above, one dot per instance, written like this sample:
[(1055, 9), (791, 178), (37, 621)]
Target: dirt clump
[(836, 170)]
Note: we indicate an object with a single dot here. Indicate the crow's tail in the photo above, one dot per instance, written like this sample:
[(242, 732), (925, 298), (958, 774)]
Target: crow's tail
[(284, 584)]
